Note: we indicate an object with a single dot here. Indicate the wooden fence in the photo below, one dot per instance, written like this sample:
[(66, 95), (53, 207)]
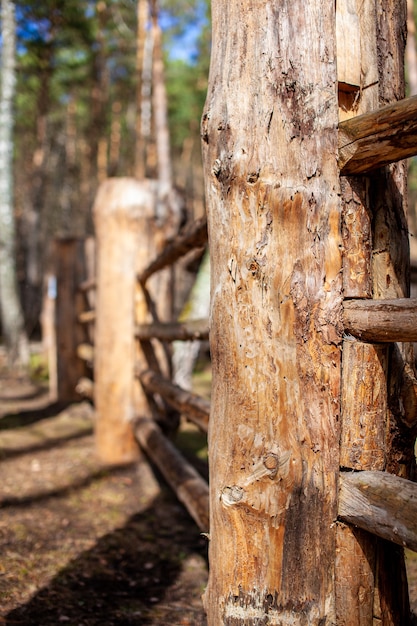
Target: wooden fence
[(131, 341)]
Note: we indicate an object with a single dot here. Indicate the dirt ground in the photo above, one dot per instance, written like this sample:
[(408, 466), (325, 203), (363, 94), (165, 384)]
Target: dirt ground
[(82, 544)]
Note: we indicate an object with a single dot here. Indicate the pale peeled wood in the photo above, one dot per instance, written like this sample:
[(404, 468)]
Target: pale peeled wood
[(357, 238), (196, 408), (364, 406), (190, 488), (273, 212), (124, 215), (372, 140), (380, 503), (356, 42), (85, 351), (381, 320), (348, 38)]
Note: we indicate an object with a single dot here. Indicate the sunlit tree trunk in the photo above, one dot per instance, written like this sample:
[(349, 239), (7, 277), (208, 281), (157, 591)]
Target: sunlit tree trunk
[(11, 313), (280, 267)]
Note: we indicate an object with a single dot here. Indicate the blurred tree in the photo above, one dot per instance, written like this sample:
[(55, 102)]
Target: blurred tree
[(11, 314), (77, 115)]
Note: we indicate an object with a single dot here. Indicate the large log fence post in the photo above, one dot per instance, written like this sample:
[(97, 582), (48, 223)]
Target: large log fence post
[(281, 401), (124, 214)]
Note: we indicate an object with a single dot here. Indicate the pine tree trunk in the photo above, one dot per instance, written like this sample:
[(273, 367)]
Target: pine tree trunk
[(11, 313)]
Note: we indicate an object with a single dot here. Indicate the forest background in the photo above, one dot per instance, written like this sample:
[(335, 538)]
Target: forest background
[(83, 112)]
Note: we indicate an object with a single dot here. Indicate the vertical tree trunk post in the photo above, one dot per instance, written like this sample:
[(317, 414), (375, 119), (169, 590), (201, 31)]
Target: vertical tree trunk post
[(124, 211), (274, 199), (70, 273), (272, 184)]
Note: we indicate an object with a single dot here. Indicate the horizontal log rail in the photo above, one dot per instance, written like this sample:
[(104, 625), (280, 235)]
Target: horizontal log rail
[(87, 317), (85, 387), (87, 285), (374, 139), (381, 320), (195, 236), (191, 489), (194, 407), (85, 352), (191, 330), (380, 503)]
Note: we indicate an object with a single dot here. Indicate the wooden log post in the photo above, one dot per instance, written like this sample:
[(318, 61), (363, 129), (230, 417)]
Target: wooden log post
[(124, 212), (274, 200), (269, 135), (70, 267), (375, 266)]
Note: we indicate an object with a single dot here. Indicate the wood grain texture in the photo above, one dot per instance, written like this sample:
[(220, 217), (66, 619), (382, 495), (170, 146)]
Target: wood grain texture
[(372, 140), (270, 158), (381, 320), (382, 504)]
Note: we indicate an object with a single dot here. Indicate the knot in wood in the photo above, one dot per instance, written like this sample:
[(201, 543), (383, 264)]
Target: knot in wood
[(271, 463), (232, 495)]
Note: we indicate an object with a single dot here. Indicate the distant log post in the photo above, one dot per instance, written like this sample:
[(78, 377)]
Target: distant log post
[(70, 267), (280, 400), (124, 214)]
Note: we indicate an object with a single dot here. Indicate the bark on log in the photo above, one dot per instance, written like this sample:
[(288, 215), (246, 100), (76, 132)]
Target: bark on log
[(174, 331), (190, 488), (375, 139), (381, 320), (197, 409), (194, 237), (380, 503), (272, 188)]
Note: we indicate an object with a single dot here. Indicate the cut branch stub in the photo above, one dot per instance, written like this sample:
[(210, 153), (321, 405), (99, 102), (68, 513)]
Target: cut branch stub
[(372, 140), (381, 320)]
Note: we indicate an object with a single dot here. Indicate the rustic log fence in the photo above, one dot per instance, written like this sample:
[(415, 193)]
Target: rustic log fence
[(132, 383)]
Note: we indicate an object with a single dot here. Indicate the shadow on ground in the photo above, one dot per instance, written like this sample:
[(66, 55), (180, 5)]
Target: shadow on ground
[(143, 573)]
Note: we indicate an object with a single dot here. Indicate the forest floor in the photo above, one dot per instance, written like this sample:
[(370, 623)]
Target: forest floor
[(82, 544)]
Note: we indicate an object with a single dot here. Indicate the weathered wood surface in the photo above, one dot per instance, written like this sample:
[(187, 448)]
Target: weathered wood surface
[(196, 408), (195, 236), (381, 320), (374, 427), (191, 489), (357, 238), (374, 139), (356, 43), (174, 331), (124, 212), (364, 402), (269, 134), (380, 503)]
